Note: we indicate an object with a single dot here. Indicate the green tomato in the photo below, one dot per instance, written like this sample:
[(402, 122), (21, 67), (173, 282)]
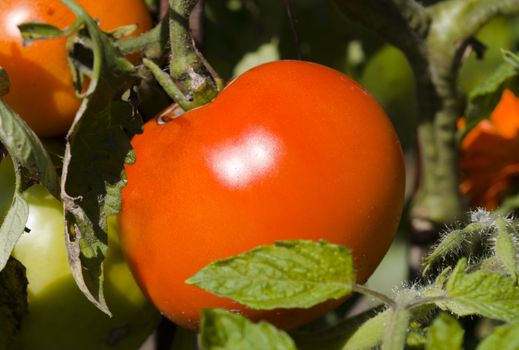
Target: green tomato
[(60, 316)]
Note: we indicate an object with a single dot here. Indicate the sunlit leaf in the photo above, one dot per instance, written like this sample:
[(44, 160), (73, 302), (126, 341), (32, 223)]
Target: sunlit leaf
[(445, 333), (288, 274), (492, 295), (221, 330)]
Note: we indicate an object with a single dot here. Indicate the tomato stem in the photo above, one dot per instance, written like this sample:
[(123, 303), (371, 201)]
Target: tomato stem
[(434, 39), (425, 301), (198, 83), (168, 84), (395, 333), (438, 200), (374, 294), (152, 42)]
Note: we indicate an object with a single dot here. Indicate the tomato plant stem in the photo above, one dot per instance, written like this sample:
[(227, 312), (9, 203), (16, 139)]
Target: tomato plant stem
[(168, 85), (395, 333), (425, 301), (152, 42), (187, 67), (434, 39), (374, 294)]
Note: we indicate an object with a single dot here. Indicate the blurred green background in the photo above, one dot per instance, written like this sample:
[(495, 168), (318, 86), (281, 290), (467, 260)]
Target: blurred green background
[(240, 34)]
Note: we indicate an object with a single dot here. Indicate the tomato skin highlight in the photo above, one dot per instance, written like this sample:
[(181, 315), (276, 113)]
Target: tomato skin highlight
[(41, 90), (289, 150)]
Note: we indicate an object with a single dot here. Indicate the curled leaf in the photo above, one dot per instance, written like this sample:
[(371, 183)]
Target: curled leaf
[(98, 145), (33, 166)]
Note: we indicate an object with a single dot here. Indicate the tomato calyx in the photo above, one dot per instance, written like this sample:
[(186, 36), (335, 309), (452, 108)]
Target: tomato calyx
[(191, 81)]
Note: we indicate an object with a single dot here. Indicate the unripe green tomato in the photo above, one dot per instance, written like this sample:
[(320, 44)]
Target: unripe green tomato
[(60, 316)]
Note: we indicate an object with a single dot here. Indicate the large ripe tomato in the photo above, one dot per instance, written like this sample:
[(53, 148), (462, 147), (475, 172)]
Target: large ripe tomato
[(60, 317), (289, 150), (41, 86)]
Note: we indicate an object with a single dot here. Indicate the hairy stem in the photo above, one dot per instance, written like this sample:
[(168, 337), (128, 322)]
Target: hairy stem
[(153, 42), (374, 294), (425, 301), (168, 85), (434, 39), (187, 68), (453, 25), (395, 333)]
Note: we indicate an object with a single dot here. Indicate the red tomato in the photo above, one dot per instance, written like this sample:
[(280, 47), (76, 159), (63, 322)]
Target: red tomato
[(41, 86), (289, 150)]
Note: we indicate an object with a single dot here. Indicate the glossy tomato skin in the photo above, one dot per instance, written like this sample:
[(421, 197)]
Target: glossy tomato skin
[(41, 87), (60, 317), (289, 150)]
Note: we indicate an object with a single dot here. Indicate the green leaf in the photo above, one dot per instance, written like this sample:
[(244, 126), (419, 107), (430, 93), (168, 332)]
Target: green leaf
[(503, 338), (493, 264), (445, 333), (33, 166), (123, 31), (13, 301), (370, 334), (452, 242), (484, 293), (221, 330), (484, 98), (32, 31), (12, 227), (416, 337), (506, 251), (27, 151), (98, 144), (266, 52), (288, 274)]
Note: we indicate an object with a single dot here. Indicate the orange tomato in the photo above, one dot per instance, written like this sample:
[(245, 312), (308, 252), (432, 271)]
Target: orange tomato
[(289, 150), (490, 155), (41, 87)]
